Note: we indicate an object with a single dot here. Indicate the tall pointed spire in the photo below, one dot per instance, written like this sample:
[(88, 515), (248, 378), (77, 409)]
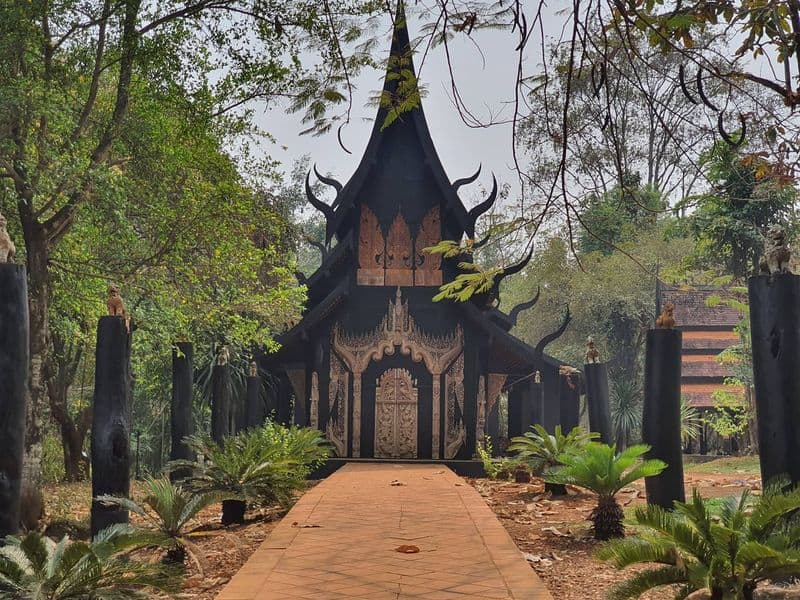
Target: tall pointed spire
[(400, 86)]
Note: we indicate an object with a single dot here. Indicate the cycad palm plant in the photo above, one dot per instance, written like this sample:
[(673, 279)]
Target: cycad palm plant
[(168, 508), (542, 450), (726, 553), (598, 468), (36, 568), (262, 466)]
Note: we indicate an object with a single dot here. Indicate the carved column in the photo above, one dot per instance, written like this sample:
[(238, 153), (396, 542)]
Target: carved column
[(597, 401), (110, 421), (13, 387), (357, 414), (436, 416)]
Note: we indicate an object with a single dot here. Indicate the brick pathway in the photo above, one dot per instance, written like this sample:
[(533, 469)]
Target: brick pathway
[(339, 542)]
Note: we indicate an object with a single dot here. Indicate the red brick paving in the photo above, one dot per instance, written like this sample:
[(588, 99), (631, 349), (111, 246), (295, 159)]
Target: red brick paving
[(339, 542)]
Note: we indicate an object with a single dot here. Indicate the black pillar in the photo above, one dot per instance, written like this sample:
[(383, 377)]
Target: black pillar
[(661, 416), (255, 406), (569, 389), (13, 386), (221, 408), (775, 331), (181, 413), (110, 420), (536, 402), (597, 401)]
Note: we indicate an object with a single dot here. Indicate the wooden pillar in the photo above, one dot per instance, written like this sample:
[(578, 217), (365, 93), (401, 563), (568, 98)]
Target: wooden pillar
[(221, 409), (597, 401), (254, 406), (14, 361), (569, 390), (110, 421), (775, 333), (181, 407), (661, 415)]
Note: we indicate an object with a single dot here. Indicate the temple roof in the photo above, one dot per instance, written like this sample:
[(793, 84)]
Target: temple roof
[(400, 151)]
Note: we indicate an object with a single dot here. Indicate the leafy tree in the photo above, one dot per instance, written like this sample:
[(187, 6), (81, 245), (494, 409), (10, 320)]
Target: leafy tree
[(168, 509), (748, 194), (598, 468), (35, 567), (727, 553), (86, 88)]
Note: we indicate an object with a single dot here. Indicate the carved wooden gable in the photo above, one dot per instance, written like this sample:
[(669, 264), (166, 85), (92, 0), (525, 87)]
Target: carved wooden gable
[(428, 267), (399, 253), (371, 249)]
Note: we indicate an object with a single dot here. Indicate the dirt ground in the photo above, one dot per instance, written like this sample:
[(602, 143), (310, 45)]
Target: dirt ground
[(554, 533), (221, 550)]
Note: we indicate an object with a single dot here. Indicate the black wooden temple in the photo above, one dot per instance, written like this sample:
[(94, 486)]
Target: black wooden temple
[(375, 363)]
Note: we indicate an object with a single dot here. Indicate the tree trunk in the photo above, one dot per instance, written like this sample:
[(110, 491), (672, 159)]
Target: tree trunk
[(38, 258), (73, 438)]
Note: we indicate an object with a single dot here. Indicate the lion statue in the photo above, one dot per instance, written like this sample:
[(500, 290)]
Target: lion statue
[(7, 248), (592, 354), (776, 255), (666, 320)]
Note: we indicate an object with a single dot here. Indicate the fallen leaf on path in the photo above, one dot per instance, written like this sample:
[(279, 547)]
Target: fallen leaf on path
[(396, 482), (555, 531), (406, 549)]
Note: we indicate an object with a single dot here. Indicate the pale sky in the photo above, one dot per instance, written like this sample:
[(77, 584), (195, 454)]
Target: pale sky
[(486, 89)]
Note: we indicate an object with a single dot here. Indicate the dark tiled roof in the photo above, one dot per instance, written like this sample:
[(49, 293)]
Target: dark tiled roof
[(701, 395), (705, 368), (691, 309)]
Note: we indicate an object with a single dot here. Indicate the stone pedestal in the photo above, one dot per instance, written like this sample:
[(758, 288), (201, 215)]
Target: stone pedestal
[(181, 407), (661, 415), (775, 331), (597, 401), (14, 361), (110, 420)]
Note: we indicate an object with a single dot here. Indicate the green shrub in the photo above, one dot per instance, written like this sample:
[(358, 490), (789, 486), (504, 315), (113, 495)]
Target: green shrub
[(259, 466), (542, 451), (726, 551), (496, 467), (168, 508), (36, 568), (598, 468)]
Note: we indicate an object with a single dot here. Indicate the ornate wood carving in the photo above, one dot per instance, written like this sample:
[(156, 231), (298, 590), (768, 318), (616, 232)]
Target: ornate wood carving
[(338, 388), (371, 249), (480, 425), (396, 401), (428, 266), (455, 431), (399, 254), (314, 417), (397, 330)]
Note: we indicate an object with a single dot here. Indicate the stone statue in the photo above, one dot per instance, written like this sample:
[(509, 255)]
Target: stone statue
[(115, 303), (592, 354), (666, 320), (537, 377), (253, 369), (223, 356), (776, 255), (7, 249)]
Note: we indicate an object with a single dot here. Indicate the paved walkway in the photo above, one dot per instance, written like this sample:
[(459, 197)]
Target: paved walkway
[(340, 541)]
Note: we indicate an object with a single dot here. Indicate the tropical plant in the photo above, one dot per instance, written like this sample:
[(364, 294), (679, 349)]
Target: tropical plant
[(626, 409), (598, 468), (37, 568), (260, 466), (168, 508), (542, 450), (727, 552), (691, 422)]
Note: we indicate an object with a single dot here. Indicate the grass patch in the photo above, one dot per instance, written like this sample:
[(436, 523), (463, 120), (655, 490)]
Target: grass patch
[(727, 465)]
